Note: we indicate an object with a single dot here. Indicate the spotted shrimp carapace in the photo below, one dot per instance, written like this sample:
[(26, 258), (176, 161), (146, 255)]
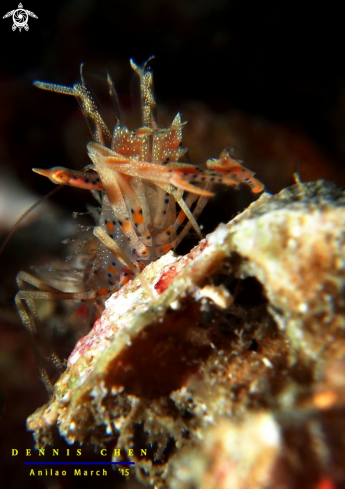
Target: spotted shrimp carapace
[(149, 201)]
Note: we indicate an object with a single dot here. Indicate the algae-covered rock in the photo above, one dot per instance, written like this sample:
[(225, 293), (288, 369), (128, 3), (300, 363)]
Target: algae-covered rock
[(233, 373)]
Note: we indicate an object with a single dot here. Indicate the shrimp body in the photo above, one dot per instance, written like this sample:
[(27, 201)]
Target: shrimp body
[(149, 202), (141, 179)]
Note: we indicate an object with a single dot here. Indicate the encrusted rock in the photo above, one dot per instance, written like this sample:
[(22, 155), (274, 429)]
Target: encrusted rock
[(237, 362)]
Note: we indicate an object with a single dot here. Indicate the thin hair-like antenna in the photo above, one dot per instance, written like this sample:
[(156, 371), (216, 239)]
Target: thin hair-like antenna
[(23, 216), (115, 99), (81, 73)]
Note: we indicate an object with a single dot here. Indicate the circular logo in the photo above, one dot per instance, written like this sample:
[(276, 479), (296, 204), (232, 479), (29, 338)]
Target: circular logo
[(20, 18)]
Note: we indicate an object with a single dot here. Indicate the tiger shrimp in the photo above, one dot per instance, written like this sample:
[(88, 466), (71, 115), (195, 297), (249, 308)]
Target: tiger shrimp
[(149, 201)]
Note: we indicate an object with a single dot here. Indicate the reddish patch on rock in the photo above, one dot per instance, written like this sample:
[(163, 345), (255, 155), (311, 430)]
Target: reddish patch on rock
[(165, 280), (168, 275), (325, 484)]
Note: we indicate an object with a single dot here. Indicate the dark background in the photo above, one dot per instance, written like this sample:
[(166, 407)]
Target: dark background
[(266, 77)]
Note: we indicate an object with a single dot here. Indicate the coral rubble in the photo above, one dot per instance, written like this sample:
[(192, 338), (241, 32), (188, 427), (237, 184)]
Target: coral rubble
[(234, 374)]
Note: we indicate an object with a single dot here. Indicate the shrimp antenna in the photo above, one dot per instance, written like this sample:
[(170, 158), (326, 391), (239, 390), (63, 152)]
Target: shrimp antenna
[(23, 216)]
